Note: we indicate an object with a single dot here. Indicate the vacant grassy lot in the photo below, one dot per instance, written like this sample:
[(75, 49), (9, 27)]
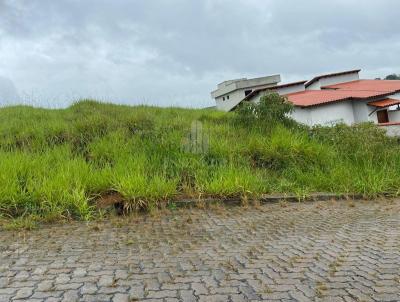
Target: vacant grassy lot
[(56, 163)]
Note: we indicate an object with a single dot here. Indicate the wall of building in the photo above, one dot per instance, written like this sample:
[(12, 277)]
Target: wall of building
[(333, 80), (326, 115), (232, 85), (395, 96), (302, 115), (259, 82), (393, 130), (394, 116), (334, 113), (234, 98), (363, 112), (290, 89), (393, 111)]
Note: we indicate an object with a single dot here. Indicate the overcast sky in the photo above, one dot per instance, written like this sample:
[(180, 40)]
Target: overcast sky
[(174, 52)]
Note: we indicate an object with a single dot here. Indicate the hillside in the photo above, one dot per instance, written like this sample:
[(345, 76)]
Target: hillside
[(56, 163)]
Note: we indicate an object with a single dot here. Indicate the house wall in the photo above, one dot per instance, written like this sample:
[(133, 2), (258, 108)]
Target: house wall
[(393, 111), (325, 115), (234, 98), (334, 113), (302, 115), (333, 80), (395, 96), (393, 130), (290, 89), (394, 116), (363, 112)]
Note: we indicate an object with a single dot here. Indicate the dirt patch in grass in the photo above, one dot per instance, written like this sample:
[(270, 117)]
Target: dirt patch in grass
[(110, 200)]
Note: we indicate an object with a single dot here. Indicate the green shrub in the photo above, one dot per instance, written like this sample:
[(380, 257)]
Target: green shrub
[(270, 110)]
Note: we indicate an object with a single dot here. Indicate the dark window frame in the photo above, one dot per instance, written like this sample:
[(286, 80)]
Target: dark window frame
[(383, 116)]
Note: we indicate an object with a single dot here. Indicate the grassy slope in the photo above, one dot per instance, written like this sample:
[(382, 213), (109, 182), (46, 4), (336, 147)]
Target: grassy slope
[(54, 162)]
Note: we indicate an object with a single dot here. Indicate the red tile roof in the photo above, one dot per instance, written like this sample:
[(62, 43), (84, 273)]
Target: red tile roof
[(384, 103), (354, 90), (370, 85), (318, 97), (329, 75)]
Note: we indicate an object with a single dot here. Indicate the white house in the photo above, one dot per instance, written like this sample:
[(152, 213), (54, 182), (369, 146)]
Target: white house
[(337, 98), (231, 93)]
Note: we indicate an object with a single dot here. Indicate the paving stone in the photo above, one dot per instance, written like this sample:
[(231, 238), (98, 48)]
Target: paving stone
[(5, 298), (161, 294), (299, 297), (8, 291), (24, 293), (79, 272), (214, 298), (70, 296), (89, 288), (386, 297), (105, 281), (46, 295), (121, 298), (321, 251), (45, 286), (238, 298), (67, 286), (199, 289), (187, 295)]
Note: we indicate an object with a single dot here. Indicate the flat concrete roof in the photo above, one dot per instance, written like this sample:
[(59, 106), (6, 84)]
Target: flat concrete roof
[(233, 85)]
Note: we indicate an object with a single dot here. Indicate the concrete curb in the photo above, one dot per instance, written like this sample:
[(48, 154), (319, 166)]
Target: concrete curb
[(268, 199)]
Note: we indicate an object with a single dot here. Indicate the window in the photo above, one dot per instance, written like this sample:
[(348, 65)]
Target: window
[(383, 116), (247, 92), (223, 98), (227, 97)]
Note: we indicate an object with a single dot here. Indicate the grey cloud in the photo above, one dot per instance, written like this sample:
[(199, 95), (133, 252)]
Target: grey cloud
[(175, 51)]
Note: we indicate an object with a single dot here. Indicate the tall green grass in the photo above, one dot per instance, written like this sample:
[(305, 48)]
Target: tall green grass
[(56, 163)]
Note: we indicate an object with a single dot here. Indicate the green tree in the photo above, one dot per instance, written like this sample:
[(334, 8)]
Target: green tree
[(393, 77), (271, 109)]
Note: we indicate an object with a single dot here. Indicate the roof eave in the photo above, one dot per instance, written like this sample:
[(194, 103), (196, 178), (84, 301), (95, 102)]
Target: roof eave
[(317, 78)]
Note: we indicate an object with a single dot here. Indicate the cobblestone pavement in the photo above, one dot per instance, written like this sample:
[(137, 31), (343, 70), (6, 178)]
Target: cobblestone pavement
[(323, 251)]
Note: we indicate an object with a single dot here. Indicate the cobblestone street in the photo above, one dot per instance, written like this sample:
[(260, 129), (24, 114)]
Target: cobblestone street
[(321, 251)]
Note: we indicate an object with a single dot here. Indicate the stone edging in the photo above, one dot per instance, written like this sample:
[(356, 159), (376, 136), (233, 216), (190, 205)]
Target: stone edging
[(269, 199)]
